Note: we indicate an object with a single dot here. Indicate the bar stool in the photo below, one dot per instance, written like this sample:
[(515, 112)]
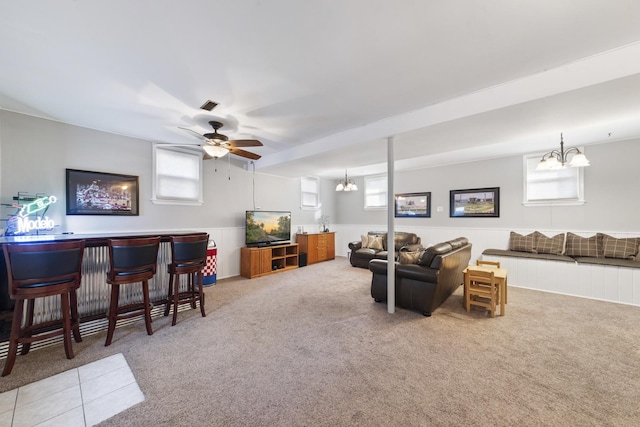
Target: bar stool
[(131, 261), (38, 270), (188, 256)]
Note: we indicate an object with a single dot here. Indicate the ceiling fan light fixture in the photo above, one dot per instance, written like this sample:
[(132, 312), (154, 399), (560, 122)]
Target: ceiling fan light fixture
[(215, 151)]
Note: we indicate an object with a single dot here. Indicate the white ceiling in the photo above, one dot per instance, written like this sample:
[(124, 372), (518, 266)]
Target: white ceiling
[(323, 84)]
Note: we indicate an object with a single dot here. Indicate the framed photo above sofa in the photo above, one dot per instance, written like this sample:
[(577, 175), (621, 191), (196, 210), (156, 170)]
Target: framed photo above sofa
[(476, 202), (99, 193), (413, 205)]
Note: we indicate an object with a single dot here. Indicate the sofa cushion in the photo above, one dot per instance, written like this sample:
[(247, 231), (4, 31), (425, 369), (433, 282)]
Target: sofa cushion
[(625, 248), (616, 262), (516, 254), (432, 251), (365, 241), (409, 257), (520, 243), (367, 252), (549, 245), (578, 246)]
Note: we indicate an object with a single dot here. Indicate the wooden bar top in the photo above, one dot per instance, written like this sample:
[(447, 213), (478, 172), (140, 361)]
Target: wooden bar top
[(92, 239)]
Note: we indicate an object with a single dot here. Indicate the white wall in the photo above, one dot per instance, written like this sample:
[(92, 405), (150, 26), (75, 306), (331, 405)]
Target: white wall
[(36, 152), (610, 191)]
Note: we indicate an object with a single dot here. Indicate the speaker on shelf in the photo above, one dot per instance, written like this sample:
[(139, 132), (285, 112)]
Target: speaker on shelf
[(302, 260)]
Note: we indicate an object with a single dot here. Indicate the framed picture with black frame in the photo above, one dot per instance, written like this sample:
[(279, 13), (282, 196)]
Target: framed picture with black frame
[(476, 202), (100, 193), (413, 205)]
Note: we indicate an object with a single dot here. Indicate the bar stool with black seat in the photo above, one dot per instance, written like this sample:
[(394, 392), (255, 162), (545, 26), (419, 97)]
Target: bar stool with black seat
[(40, 270), (131, 261), (188, 256)]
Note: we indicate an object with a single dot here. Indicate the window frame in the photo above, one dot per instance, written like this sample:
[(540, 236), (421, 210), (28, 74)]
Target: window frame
[(529, 165), (368, 180), (164, 200), (315, 180)]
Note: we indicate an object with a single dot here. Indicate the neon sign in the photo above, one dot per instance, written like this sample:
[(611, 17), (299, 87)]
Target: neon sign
[(37, 205), (26, 225), (27, 218)]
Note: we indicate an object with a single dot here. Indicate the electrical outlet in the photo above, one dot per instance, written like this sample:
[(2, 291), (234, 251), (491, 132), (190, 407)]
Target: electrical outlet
[(439, 209)]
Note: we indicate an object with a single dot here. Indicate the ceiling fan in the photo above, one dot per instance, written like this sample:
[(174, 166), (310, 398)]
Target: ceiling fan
[(218, 145)]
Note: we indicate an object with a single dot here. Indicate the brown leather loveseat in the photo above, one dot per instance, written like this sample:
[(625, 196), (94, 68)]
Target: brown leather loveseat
[(376, 246), (425, 285)]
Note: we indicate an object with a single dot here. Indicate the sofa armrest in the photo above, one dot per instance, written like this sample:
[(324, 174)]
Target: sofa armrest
[(418, 273), (354, 246), (378, 266)]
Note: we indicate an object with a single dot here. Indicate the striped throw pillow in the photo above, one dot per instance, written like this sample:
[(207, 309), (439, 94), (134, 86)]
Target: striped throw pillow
[(520, 243), (550, 245), (626, 248), (583, 246)]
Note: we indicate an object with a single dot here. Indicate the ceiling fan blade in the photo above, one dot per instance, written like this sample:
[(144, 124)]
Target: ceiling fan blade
[(244, 143), (242, 153), (196, 134)]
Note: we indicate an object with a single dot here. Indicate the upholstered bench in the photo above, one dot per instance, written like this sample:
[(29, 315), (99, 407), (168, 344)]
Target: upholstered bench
[(609, 274)]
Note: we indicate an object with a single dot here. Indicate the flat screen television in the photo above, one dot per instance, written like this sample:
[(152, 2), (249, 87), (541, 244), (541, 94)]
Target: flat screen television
[(263, 228)]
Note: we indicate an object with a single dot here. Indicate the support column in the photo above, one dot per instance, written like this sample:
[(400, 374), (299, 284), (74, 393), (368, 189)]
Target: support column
[(391, 266)]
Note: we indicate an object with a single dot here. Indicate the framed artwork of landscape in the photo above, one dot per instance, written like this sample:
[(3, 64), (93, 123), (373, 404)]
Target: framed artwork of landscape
[(476, 202), (413, 205), (99, 193)]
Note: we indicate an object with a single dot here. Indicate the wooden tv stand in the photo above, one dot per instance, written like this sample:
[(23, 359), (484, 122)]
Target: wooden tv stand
[(261, 261)]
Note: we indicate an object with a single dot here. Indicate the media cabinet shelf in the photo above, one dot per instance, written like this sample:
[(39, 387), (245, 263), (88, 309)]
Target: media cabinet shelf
[(256, 262)]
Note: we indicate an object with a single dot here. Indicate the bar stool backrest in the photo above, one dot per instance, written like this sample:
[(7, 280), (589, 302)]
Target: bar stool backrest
[(133, 257), (189, 252), (34, 266)]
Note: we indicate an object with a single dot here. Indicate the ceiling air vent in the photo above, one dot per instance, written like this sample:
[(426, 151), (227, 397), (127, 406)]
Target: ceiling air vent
[(209, 105)]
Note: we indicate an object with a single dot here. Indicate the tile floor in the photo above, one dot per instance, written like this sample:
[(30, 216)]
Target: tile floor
[(82, 397)]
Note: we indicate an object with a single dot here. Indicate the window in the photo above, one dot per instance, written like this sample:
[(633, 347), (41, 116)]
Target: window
[(546, 187), (178, 175), (310, 192), (375, 192)]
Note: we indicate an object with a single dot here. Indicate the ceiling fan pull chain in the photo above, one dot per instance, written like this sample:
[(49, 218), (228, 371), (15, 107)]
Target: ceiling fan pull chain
[(229, 161)]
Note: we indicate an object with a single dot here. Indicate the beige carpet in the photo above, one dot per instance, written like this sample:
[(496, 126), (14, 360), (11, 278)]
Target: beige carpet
[(310, 348)]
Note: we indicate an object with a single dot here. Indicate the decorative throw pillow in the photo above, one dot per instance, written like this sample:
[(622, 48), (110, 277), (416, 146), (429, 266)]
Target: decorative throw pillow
[(520, 243), (626, 248), (583, 246), (549, 245), (409, 257), (375, 242), (365, 241)]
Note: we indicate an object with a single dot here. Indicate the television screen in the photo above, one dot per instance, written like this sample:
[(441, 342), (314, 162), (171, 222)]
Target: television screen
[(264, 228)]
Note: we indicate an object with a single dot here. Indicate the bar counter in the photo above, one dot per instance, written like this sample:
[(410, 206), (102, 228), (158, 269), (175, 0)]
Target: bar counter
[(94, 292)]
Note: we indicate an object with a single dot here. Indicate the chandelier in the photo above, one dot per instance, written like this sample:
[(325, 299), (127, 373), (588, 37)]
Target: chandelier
[(558, 159), (346, 184)]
